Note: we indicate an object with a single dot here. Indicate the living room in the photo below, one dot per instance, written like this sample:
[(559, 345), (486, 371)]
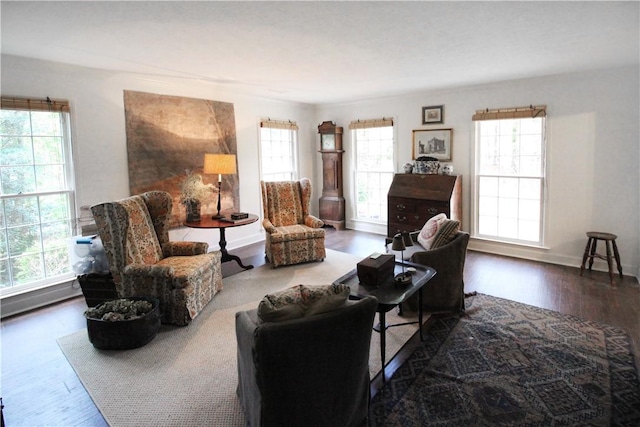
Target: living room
[(592, 132)]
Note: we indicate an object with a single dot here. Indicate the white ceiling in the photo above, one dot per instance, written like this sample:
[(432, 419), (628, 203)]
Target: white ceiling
[(324, 52)]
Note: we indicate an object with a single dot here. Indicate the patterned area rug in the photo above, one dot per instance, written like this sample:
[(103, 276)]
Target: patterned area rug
[(507, 363)]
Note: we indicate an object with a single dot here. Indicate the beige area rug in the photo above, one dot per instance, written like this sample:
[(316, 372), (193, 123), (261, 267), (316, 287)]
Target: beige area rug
[(187, 376)]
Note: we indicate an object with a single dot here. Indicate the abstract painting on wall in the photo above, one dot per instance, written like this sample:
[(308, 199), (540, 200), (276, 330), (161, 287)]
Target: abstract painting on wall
[(168, 136)]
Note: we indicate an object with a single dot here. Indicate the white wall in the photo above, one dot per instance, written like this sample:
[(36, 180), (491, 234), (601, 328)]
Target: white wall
[(594, 149), (100, 145)]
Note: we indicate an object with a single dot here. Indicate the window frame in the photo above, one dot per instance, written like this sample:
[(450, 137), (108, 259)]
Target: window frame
[(383, 204), (477, 175), (69, 191), (279, 126)]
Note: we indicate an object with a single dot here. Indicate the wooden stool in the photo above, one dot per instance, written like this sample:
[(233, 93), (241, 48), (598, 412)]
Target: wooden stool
[(590, 251)]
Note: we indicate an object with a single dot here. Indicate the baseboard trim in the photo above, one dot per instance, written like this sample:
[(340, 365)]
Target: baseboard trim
[(541, 255), (26, 301)]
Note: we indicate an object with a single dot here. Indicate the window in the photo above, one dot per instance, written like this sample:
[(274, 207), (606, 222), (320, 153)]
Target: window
[(509, 188), (373, 168), (278, 150), (36, 193)]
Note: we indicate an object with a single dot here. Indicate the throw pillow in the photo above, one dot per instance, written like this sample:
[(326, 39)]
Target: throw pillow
[(300, 301), (429, 230), (446, 233)]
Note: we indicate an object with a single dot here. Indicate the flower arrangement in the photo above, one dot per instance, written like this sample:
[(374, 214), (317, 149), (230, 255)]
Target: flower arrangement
[(119, 309), (193, 189)]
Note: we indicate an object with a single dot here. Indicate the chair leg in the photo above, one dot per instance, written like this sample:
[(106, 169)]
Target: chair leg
[(594, 245), (607, 243), (617, 255), (585, 256)]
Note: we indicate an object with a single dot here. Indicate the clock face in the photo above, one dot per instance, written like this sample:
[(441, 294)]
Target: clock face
[(328, 142)]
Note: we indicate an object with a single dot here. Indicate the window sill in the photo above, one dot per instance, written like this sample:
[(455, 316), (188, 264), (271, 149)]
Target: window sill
[(508, 243)]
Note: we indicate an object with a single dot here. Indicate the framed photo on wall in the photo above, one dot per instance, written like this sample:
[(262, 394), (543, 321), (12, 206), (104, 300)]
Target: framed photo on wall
[(433, 143), (433, 115)]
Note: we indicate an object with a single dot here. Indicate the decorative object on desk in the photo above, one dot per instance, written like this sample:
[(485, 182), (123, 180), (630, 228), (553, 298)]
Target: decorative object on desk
[(433, 115), (375, 269), (408, 167), (221, 164), (447, 170), (124, 323), (427, 165), (400, 243), (432, 142), (193, 191)]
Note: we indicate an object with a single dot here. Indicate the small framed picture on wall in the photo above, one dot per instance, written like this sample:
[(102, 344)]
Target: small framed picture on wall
[(433, 143), (433, 115)]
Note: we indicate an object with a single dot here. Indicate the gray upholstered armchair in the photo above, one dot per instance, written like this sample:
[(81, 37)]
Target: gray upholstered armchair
[(143, 262), (309, 371), (445, 292)]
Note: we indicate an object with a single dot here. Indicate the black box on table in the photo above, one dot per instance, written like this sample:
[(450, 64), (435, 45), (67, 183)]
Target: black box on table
[(376, 268), (239, 215)]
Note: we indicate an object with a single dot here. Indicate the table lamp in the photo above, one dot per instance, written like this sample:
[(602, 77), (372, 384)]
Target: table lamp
[(400, 243), (219, 164)]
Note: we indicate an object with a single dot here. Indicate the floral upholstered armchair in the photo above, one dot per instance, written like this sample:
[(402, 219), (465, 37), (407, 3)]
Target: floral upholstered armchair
[(293, 234), (143, 262)]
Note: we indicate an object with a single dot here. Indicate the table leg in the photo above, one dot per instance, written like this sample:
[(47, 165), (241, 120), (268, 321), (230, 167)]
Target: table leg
[(226, 256), (420, 313), (383, 328)]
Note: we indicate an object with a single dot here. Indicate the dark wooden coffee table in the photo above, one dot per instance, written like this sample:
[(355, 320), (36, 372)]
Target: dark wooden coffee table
[(390, 295)]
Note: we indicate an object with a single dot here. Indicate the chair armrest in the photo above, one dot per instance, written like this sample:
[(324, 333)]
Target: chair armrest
[(450, 257), (184, 248), (268, 226), (145, 270), (313, 222)]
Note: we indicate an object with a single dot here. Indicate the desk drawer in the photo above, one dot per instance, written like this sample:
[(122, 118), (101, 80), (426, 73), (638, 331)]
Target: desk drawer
[(430, 209), (401, 204)]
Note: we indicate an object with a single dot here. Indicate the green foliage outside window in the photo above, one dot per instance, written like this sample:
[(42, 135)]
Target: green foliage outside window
[(35, 208)]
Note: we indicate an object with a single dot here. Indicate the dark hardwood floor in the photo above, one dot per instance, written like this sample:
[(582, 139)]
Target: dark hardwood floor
[(39, 387)]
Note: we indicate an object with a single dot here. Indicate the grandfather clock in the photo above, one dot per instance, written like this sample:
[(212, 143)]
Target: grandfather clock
[(332, 200)]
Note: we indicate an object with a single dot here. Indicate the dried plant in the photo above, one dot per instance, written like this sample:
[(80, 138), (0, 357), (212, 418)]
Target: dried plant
[(119, 309), (194, 189)]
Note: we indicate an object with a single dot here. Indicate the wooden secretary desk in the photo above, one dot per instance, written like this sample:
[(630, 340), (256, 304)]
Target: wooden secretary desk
[(414, 198)]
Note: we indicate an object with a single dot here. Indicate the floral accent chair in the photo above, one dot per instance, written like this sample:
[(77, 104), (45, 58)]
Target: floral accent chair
[(293, 234), (143, 262)]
